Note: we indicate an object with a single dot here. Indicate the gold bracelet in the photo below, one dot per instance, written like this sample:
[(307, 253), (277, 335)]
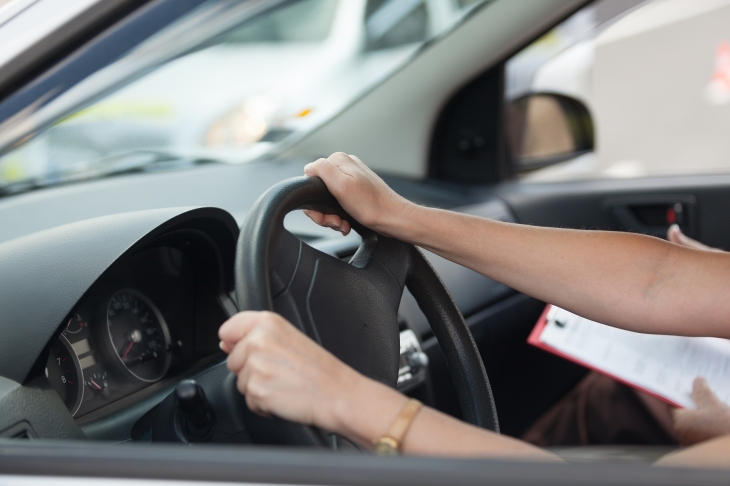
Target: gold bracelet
[(390, 443)]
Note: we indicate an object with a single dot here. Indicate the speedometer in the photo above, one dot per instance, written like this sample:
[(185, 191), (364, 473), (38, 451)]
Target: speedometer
[(138, 335)]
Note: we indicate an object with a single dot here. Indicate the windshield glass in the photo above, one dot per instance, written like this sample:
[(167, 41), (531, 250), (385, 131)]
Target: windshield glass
[(239, 94)]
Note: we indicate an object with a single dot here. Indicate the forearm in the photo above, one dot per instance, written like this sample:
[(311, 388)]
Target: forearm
[(629, 281), (369, 408), (626, 280)]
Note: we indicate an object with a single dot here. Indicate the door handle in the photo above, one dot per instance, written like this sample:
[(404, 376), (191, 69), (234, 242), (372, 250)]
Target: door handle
[(652, 215)]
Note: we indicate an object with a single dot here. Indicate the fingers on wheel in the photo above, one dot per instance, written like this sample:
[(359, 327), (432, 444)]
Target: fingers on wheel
[(329, 221), (312, 168), (257, 338), (237, 327), (315, 216), (324, 169)]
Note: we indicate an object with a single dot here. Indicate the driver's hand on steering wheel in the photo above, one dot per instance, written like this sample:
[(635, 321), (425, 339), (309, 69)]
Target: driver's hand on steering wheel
[(282, 372), (360, 192)]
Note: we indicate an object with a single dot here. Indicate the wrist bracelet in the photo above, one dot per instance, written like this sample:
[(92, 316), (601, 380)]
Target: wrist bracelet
[(390, 443)]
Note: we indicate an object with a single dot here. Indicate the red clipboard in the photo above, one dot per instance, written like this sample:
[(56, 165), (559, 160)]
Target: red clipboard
[(534, 339)]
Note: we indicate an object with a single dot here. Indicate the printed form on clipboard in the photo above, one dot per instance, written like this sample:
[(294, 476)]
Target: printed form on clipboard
[(663, 366)]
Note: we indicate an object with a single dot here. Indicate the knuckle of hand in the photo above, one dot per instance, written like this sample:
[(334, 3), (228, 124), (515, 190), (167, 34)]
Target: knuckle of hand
[(254, 345), (256, 388), (255, 364)]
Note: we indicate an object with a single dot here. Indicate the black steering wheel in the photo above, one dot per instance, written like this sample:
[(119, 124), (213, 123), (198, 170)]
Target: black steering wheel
[(350, 308)]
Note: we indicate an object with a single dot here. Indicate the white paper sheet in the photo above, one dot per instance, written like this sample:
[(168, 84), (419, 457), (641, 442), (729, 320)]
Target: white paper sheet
[(663, 365)]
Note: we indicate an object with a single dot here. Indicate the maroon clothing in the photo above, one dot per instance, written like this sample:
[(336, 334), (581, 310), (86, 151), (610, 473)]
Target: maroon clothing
[(601, 411)]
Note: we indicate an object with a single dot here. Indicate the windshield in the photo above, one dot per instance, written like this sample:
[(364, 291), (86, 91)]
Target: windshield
[(239, 94)]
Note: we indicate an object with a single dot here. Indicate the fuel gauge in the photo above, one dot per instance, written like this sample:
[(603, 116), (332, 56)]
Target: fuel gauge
[(99, 385), (75, 325)]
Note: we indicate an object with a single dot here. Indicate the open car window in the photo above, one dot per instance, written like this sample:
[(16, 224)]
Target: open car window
[(223, 90)]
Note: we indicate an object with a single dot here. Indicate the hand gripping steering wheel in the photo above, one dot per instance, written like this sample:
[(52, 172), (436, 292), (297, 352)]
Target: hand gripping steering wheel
[(349, 308)]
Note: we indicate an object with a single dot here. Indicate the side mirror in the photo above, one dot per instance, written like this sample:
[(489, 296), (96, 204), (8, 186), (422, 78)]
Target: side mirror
[(547, 128)]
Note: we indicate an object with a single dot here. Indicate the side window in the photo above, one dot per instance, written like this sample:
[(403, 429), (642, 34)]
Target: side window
[(623, 89), (393, 23)]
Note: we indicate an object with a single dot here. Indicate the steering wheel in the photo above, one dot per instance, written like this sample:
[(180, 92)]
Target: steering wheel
[(350, 308)]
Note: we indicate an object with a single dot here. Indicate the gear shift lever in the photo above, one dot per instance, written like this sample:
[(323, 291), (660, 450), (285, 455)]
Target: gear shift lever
[(196, 415)]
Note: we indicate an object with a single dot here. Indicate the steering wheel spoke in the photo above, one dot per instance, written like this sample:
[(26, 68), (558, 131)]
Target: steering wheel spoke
[(348, 308)]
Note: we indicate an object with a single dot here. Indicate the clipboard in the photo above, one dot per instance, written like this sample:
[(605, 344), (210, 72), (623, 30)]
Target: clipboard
[(660, 366)]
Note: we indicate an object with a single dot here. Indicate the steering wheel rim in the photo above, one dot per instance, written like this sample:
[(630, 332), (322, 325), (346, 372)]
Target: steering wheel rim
[(266, 272)]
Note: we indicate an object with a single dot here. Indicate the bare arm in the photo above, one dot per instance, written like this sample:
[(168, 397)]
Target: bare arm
[(630, 281), (626, 280)]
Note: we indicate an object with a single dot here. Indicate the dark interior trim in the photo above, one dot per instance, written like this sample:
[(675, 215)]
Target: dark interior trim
[(467, 143)]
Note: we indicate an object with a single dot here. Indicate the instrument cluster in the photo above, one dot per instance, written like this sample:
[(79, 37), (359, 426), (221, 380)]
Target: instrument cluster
[(133, 328)]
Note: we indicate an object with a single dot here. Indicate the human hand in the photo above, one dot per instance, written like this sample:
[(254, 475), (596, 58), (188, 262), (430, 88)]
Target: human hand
[(710, 419), (675, 235), (360, 192), (283, 372)]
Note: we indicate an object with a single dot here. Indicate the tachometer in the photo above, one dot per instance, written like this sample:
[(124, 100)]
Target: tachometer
[(138, 335), (64, 373)]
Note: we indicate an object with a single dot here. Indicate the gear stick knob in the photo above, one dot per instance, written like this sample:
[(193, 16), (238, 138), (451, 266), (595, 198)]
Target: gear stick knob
[(196, 414)]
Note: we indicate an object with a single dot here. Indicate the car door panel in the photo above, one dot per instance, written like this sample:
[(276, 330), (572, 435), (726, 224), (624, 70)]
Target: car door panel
[(593, 204)]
